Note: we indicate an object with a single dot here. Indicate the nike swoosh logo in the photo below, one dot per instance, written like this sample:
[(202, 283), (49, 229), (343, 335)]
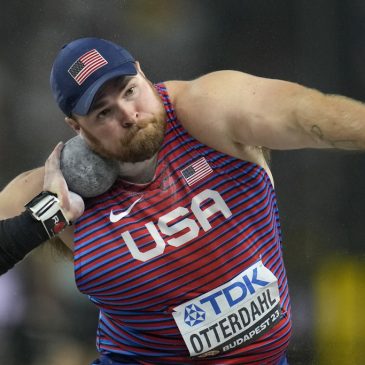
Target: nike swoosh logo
[(117, 217)]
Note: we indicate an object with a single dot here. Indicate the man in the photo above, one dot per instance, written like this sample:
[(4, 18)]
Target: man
[(183, 253)]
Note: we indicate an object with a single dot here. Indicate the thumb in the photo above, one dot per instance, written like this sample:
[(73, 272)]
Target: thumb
[(76, 206)]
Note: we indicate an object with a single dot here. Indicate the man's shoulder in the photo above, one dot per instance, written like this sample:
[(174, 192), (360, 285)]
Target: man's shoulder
[(213, 76), (208, 86)]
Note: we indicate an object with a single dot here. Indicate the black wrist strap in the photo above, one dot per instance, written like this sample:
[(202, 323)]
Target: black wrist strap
[(46, 208), (19, 236)]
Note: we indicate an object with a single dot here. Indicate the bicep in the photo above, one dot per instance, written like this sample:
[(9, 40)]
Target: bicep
[(272, 116), (227, 109), (20, 191)]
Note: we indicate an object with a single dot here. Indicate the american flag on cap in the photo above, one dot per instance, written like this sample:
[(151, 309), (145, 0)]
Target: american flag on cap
[(198, 170), (86, 65)]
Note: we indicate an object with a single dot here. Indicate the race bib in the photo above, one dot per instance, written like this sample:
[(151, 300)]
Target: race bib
[(234, 314)]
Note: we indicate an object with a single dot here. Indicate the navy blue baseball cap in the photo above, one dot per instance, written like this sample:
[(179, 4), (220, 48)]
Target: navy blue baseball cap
[(82, 67)]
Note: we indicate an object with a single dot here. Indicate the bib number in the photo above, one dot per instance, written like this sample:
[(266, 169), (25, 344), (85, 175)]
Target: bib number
[(233, 315)]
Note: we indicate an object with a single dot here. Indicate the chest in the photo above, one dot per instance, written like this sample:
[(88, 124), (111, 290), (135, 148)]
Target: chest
[(176, 234)]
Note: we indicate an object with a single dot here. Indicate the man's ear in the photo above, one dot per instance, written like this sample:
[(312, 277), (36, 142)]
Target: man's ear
[(73, 124)]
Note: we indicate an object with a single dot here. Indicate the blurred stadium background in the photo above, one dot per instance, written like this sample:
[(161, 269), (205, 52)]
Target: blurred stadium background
[(319, 43)]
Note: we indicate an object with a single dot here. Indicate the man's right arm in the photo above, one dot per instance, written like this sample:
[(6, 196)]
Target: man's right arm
[(45, 217), (20, 233), (20, 191), (29, 184)]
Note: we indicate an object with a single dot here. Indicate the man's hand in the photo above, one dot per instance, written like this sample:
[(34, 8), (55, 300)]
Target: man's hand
[(71, 203)]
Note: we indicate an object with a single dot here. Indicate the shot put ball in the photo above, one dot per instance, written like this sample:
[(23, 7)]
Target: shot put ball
[(86, 173)]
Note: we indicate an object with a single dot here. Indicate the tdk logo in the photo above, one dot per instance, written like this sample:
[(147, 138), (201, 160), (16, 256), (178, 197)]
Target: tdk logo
[(194, 315), (234, 293)]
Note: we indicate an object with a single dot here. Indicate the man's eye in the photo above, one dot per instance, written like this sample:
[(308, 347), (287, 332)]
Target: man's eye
[(104, 113), (130, 91)]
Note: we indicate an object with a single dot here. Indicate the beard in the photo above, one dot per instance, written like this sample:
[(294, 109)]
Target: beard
[(141, 142)]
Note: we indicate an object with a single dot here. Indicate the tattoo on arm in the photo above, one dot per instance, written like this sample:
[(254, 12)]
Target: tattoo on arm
[(317, 131), (340, 144)]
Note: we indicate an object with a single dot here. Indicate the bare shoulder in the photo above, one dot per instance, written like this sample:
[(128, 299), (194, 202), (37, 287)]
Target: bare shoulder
[(211, 106), (214, 100), (206, 85), (204, 101), (229, 87), (20, 191)]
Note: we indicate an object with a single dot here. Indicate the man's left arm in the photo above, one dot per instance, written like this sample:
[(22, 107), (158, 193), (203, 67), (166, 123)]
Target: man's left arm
[(230, 110), (301, 117)]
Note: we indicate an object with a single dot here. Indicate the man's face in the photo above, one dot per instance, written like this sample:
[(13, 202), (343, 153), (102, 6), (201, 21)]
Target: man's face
[(126, 120)]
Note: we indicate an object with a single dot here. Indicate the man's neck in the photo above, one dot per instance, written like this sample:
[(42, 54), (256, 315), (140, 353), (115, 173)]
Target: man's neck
[(138, 172)]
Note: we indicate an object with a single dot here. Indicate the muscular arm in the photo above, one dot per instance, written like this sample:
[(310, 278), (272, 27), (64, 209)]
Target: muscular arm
[(231, 110), (20, 191), (29, 184)]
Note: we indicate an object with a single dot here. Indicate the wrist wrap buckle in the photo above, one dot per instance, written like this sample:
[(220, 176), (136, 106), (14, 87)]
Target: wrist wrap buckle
[(45, 207)]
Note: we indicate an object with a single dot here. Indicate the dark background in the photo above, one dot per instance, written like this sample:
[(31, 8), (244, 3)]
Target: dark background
[(318, 43)]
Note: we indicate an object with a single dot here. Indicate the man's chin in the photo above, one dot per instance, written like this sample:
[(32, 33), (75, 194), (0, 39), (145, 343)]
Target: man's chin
[(136, 157)]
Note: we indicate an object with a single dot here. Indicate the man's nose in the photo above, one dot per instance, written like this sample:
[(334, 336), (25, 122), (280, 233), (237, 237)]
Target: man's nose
[(127, 115)]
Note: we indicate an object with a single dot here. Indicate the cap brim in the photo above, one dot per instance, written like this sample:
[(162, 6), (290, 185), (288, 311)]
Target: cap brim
[(83, 105)]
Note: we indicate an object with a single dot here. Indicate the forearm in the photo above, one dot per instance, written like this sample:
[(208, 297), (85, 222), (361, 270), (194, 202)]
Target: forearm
[(284, 115), (332, 121), (43, 219)]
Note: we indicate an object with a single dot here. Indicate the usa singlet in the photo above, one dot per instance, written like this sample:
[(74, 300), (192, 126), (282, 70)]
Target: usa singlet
[(188, 268)]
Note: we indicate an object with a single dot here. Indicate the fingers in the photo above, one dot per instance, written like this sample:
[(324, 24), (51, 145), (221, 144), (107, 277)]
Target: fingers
[(53, 161), (53, 178), (71, 203)]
